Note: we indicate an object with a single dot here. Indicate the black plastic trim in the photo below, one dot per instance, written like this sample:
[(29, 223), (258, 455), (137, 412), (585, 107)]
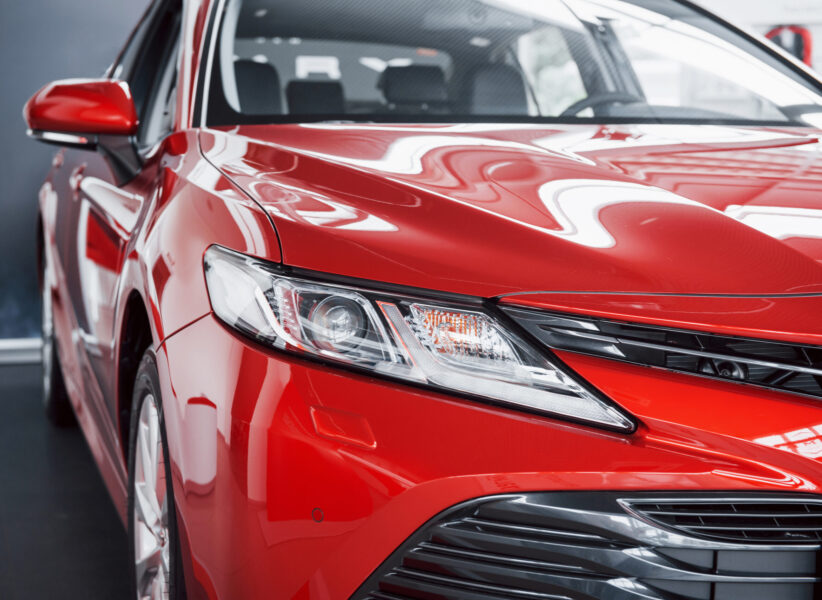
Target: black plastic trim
[(691, 352), (118, 151)]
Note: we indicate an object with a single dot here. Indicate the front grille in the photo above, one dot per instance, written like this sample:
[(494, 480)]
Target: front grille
[(779, 366), (607, 546), (748, 520)]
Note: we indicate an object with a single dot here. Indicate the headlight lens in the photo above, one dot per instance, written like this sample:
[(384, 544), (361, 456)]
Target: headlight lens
[(450, 347)]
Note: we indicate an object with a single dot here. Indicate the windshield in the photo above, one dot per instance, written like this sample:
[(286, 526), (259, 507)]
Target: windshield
[(280, 61)]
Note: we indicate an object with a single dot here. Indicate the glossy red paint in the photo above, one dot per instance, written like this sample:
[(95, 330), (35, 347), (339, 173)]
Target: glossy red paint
[(271, 467), (715, 229), (641, 209), (92, 106)]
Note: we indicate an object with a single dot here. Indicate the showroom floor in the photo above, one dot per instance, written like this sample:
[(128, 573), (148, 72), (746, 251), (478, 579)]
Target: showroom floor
[(59, 533)]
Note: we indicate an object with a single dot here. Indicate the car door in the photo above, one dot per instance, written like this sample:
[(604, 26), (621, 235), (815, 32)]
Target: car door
[(101, 199)]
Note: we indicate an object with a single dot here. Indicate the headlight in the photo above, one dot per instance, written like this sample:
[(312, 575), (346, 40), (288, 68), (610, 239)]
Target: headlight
[(455, 347)]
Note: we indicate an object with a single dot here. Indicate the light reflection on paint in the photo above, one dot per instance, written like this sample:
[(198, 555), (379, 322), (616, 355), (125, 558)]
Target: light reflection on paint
[(780, 222), (576, 203), (806, 441), (404, 156)]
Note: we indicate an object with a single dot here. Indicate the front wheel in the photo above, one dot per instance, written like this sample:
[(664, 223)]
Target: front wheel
[(153, 540)]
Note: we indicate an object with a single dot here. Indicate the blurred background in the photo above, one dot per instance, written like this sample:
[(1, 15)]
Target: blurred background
[(42, 40), (53, 498)]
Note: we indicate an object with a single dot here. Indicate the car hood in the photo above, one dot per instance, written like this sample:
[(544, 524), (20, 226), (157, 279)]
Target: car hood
[(495, 210)]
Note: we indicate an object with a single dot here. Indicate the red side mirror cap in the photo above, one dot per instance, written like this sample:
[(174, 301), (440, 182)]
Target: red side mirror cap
[(81, 106)]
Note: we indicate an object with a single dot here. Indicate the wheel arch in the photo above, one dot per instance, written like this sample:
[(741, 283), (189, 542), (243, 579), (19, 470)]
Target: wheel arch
[(135, 337)]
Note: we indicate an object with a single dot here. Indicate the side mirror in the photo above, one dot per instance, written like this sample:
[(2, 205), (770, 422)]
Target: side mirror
[(87, 113), (81, 106)]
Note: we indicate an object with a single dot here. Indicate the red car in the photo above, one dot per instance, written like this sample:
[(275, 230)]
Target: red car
[(413, 299)]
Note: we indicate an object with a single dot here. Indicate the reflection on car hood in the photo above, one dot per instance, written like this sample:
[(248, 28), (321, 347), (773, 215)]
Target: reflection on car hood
[(498, 209)]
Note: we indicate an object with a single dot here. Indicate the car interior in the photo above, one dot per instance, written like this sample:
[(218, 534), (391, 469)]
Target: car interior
[(489, 89)]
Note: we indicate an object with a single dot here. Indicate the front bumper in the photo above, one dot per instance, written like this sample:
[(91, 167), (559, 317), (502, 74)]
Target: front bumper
[(295, 480)]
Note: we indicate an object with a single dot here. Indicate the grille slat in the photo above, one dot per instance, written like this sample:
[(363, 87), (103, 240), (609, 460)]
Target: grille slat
[(780, 366), (756, 527), (801, 515), (454, 587), (565, 536), (501, 559), (522, 559), (543, 547), (778, 521)]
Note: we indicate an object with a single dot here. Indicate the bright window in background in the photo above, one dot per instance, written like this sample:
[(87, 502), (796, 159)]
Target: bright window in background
[(550, 69), (679, 66)]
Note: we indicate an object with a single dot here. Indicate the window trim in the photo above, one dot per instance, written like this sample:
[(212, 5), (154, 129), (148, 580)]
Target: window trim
[(205, 72)]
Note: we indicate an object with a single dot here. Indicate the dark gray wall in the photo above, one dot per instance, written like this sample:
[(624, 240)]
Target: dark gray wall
[(41, 40)]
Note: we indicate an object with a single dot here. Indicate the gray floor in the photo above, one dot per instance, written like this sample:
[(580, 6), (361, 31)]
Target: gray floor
[(60, 536)]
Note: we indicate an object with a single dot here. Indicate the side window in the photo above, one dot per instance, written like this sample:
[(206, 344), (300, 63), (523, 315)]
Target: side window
[(158, 117), (154, 80), (149, 65), (125, 63)]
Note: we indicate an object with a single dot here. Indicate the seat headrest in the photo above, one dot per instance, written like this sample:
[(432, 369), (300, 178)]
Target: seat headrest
[(497, 90), (315, 97), (258, 87), (414, 84)]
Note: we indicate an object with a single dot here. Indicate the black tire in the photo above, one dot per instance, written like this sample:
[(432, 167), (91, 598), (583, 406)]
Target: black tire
[(56, 402), (147, 385)]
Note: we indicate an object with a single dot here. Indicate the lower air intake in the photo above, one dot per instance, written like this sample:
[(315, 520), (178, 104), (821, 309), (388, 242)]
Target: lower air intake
[(608, 546)]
